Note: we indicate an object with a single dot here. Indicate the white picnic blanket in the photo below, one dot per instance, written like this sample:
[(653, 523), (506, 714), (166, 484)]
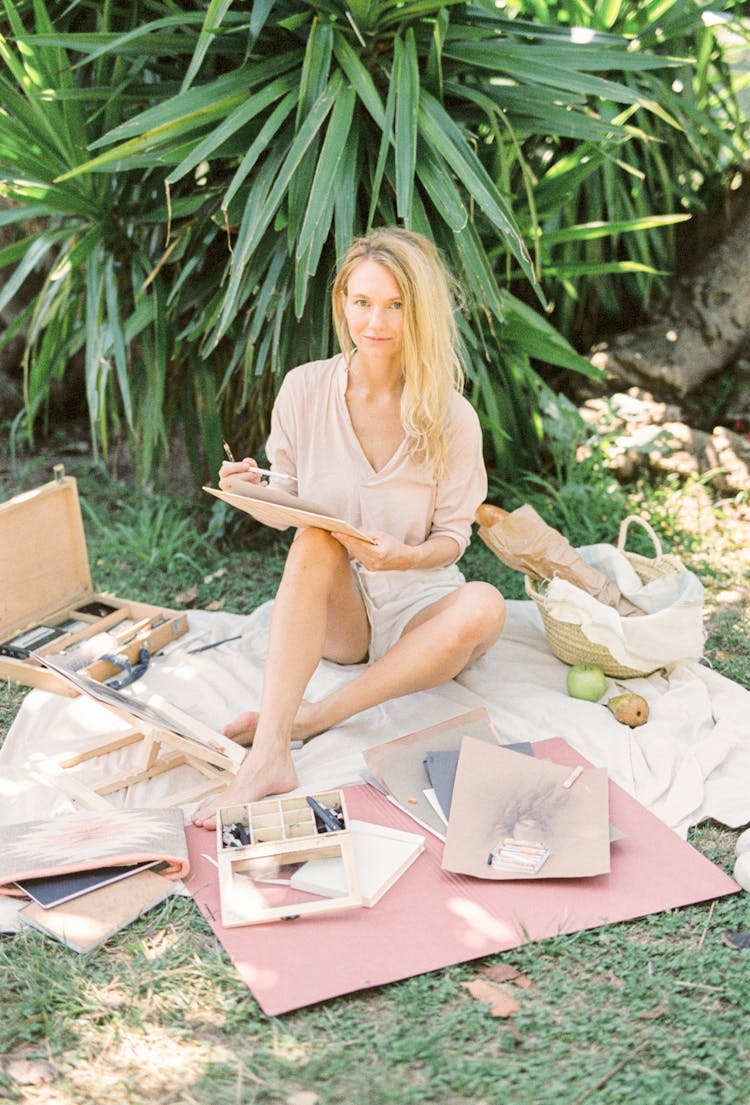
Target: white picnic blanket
[(691, 761)]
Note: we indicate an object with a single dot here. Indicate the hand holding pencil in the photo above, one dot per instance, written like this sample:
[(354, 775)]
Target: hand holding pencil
[(245, 469)]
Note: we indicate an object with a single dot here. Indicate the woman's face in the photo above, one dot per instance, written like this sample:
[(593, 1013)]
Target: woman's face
[(373, 306)]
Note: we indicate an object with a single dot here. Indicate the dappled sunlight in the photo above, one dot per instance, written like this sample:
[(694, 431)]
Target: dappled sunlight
[(286, 1049), (732, 595), (582, 36), (144, 1063), (185, 673), (13, 788), (481, 926), (148, 1058)]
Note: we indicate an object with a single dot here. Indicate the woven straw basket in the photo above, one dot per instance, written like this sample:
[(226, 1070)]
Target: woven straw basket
[(569, 643)]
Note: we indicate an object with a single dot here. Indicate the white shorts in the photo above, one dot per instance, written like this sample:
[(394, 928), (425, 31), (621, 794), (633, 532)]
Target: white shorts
[(393, 598)]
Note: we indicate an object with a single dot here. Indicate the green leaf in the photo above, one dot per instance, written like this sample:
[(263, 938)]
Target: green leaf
[(261, 217), (118, 338), (326, 180), (406, 82), (215, 12), (582, 232), (359, 78), (386, 138), (268, 131), (193, 102), (440, 187), (32, 257), (232, 123), (440, 130)]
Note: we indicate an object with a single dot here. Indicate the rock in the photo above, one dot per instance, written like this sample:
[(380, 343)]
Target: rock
[(742, 870)]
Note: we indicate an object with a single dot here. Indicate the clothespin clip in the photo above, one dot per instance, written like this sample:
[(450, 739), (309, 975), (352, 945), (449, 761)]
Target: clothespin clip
[(132, 671)]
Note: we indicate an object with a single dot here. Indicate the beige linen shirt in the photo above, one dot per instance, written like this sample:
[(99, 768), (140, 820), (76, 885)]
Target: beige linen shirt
[(312, 438)]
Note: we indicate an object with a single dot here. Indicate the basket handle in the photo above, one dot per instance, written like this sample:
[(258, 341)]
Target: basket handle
[(623, 535)]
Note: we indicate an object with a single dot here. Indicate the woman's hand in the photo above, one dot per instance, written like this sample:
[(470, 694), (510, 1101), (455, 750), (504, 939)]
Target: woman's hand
[(237, 469), (384, 554)]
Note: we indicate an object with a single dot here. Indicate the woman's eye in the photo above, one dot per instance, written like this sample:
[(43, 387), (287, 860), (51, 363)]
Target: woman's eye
[(397, 305)]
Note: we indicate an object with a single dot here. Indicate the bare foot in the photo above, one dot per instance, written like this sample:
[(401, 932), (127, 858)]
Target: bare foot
[(255, 779), (242, 728)]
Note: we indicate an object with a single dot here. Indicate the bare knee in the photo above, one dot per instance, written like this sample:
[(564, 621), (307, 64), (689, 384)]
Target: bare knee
[(315, 548), (483, 616)]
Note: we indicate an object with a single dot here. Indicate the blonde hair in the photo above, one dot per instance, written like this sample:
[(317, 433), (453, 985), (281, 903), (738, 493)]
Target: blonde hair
[(430, 365)]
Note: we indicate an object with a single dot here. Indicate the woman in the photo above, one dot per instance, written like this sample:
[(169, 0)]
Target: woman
[(382, 435)]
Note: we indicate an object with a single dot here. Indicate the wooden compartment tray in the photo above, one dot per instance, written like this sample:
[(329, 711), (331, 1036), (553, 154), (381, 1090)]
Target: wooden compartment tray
[(259, 845)]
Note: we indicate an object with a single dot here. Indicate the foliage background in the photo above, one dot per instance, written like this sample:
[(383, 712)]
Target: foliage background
[(180, 179)]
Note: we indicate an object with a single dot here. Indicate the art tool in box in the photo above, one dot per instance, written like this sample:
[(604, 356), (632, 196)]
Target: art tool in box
[(47, 600)]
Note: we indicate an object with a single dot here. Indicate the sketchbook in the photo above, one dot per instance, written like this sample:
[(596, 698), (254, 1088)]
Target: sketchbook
[(87, 841), (54, 890), (280, 509)]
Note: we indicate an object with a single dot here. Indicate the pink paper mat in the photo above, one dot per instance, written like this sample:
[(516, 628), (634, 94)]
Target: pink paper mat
[(432, 918)]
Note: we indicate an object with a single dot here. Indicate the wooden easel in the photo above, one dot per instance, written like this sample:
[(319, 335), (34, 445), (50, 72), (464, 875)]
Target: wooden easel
[(162, 751), (212, 754)]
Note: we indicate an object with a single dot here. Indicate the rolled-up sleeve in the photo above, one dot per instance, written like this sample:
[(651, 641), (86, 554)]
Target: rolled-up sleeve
[(463, 487), (281, 447)]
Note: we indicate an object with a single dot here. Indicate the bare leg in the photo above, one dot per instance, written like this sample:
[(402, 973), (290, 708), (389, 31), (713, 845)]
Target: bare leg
[(436, 645), (318, 610)]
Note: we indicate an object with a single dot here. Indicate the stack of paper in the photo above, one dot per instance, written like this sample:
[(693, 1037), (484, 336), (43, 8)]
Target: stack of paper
[(398, 767), (502, 813)]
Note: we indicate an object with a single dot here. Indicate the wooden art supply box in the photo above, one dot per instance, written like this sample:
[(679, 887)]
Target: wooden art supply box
[(47, 601), (259, 846)]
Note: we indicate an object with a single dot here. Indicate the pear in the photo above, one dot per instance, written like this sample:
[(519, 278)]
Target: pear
[(629, 709)]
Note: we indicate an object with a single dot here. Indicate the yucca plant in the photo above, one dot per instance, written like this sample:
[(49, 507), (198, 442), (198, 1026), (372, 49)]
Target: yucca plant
[(196, 171), (606, 225)]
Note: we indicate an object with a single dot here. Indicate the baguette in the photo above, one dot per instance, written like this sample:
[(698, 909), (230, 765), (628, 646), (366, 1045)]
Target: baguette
[(487, 514)]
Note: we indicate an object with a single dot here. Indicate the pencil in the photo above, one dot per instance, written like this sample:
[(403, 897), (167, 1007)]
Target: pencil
[(253, 468)]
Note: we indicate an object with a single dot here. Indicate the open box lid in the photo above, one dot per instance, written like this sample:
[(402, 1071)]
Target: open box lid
[(44, 563)]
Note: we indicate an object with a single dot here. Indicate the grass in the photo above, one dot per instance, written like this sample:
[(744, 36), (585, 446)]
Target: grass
[(645, 1011)]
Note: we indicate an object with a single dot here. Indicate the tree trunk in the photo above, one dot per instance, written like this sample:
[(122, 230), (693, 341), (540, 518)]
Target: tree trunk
[(703, 327)]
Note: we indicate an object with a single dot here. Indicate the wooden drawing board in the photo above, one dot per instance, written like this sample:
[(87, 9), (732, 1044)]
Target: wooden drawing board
[(279, 509)]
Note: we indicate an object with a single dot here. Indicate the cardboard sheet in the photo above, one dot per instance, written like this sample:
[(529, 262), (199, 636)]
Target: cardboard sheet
[(399, 764), (518, 817), (87, 922), (432, 918), (441, 771)]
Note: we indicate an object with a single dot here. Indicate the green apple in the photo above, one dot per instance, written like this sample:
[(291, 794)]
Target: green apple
[(586, 681)]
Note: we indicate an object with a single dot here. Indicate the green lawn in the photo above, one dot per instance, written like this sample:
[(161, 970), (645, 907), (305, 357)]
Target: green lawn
[(646, 1011)]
